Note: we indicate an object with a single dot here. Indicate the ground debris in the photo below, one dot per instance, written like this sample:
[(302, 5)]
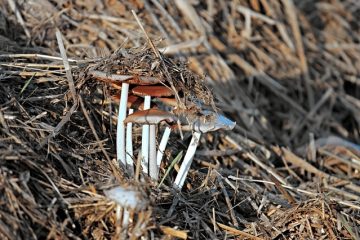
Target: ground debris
[(288, 72)]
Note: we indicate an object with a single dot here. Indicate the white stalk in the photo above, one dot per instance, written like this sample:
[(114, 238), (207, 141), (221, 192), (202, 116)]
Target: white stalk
[(145, 140), (126, 218), (162, 146), (129, 147), (120, 135), (185, 166), (153, 170), (118, 218)]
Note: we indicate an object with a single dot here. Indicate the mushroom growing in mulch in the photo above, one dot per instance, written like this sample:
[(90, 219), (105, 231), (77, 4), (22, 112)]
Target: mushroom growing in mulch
[(184, 109), (148, 148)]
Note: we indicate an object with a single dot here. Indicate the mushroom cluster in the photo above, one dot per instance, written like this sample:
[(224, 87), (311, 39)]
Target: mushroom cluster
[(149, 97)]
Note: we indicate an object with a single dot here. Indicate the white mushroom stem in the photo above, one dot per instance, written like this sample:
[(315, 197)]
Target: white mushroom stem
[(145, 140), (126, 218), (153, 170), (118, 217), (129, 147), (120, 135), (162, 146), (185, 166), (122, 221)]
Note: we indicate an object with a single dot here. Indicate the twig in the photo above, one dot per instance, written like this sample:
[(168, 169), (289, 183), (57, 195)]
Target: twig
[(291, 14), (253, 158), (58, 127), (66, 64), (237, 232), (227, 200), (35, 56), (91, 125), (19, 17), (158, 55)]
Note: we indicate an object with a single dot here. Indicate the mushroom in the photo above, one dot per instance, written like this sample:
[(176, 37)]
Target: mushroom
[(148, 143), (150, 118), (197, 120), (185, 165), (209, 121), (128, 199)]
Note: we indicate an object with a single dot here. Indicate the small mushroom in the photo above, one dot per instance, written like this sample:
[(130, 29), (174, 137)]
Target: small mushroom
[(186, 164), (148, 143), (209, 121), (129, 200)]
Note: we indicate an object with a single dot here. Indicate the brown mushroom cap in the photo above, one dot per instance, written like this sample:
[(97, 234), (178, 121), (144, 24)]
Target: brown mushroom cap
[(168, 101), (150, 116), (133, 101), (154, 91)]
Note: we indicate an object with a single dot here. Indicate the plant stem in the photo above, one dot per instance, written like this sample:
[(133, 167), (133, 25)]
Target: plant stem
[(129, 147), (153, 169), (185, 166), (145, 140), (120, 135), (126, 218), (162, 146)]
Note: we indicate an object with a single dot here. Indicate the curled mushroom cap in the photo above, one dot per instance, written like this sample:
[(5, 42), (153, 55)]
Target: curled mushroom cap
[(212, 121), (153, 91), (150, 116)]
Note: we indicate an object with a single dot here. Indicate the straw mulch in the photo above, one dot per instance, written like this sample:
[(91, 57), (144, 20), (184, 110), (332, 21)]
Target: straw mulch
[(288, 72)]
